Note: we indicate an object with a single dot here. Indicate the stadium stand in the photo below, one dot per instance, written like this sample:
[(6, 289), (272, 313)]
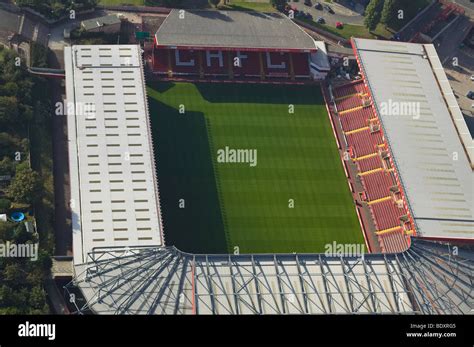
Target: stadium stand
[(269, 46), (366, 144)]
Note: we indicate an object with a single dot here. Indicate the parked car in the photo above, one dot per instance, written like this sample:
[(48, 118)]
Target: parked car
[(299, 14), (318, 6), (470, 95), (329, 9), (308, 3), (308, 15), (339, 25), (320, 20), (472, 77)]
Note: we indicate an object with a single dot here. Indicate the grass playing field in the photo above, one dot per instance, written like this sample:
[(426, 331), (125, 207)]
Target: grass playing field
[(295, 199)]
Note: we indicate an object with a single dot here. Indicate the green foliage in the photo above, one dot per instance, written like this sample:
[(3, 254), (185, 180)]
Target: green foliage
[(39, 55), (20, 235), (8, 109), (26, 186), (22, 107), (10, 144), (277, 3), (55, 9), (7, 230), (7, 166), (372, 14), (389, 11), (4, 205), (172, 3), (409, 8)]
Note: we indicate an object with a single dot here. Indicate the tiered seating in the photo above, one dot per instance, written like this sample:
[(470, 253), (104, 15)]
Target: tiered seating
[(364, 138), (215, 68), (377, 185), (387, 214), (394, 242), (369, 163), (276, 59), (185, 57), (361, 142), (349, 89), (300, 64), (348, 103), (160, 60), (355, 119), (250, 66), (377, 138)]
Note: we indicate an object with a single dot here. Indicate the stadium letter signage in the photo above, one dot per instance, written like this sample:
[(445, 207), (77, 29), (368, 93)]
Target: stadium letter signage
[(179, 62)]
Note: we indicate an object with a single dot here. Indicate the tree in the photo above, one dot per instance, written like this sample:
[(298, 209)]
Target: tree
[(278, 3), (7, 167), (37, 297), (4, 205), (6, 231), (25, 187), (14, 274), (171, 3), (372, 14), (8, 110), (20, 235), (9, 89), (388, 11)]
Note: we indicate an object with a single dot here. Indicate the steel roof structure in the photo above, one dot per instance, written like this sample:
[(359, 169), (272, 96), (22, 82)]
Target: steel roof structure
[(428, 278)]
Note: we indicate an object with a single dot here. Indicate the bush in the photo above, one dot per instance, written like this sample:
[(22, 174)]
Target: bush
[(4, 205), (26, 187)]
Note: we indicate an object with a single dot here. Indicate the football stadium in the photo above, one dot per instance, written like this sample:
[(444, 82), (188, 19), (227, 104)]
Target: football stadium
[(206, 185)]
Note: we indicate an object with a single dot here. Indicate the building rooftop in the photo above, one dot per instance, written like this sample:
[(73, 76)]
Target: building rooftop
[(431, 145), (93, 23), (232, 29), (114, 198)]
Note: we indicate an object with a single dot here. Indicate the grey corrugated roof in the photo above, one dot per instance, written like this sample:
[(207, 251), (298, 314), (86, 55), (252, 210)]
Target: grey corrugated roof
[(430, 158), (100, 21), (233, 29), (113, 183)]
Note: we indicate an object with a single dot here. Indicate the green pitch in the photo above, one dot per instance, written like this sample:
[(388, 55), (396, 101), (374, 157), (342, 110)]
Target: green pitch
[(292, 196)]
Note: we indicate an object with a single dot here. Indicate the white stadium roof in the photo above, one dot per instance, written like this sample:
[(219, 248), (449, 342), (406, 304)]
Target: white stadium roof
[(114, 195), (432, 151)]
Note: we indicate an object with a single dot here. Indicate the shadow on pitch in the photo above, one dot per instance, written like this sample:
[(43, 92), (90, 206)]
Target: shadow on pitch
[(185, 171), (260, 93)]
